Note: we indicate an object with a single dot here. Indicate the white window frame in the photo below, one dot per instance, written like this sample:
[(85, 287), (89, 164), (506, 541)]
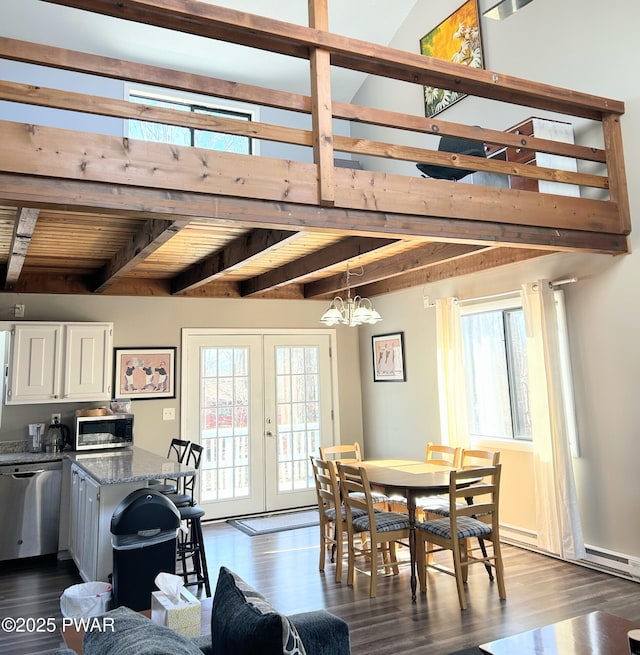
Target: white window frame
[(174, 95), (474, 307)]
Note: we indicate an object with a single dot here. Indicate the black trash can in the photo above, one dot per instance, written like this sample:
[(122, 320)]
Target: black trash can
[(144, 531)]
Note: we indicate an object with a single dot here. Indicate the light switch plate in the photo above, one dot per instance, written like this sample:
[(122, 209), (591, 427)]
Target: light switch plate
[(168, 414)]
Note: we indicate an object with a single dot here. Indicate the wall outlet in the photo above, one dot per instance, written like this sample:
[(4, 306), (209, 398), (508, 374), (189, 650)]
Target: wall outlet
[(56, 418), (168, 414), (18, 311)]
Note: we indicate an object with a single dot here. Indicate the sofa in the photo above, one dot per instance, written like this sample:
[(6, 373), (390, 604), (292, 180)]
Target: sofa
[(243, 622)]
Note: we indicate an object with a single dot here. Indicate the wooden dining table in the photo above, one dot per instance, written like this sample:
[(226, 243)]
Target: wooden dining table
[(410, 479)]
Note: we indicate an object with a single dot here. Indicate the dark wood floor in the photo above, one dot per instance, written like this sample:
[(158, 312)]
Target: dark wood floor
[(284, 567)]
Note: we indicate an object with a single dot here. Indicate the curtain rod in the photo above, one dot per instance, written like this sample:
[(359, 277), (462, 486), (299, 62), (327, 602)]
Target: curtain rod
[(504, 294)]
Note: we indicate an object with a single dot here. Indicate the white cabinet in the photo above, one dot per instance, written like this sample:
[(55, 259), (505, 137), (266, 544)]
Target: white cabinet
[(60, 362), (92, 506), (84, 523)]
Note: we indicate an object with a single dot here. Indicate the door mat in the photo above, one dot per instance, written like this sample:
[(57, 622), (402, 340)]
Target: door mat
[(276, 522)]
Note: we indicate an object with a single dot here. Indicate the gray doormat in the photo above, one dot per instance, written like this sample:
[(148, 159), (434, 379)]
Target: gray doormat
[(276, 522)]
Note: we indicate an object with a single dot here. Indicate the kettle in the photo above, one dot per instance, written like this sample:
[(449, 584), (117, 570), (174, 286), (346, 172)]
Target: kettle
[(57, 437)]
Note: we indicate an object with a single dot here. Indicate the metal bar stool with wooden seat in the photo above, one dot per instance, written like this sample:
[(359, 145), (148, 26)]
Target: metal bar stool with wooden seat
[(191, 548)]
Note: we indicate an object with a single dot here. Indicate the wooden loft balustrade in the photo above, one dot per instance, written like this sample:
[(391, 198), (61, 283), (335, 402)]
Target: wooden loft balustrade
[(53, 167)]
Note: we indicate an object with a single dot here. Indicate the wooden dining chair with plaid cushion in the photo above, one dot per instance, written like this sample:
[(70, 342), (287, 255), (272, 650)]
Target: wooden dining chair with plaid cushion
[(478, 518), (351, 454), (384, 529), (332, 512)]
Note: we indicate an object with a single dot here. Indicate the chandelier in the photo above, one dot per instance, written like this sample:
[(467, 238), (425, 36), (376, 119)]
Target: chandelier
[(351, 311)]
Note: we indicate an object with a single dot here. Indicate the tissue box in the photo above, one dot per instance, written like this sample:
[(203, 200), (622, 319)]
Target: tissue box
[(182, 616)]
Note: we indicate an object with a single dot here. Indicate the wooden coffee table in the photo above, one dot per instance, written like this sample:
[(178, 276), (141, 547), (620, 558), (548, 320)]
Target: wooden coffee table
[(597, 633)]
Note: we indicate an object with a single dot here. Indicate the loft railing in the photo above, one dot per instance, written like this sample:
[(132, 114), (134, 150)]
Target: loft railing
[(608, 213)]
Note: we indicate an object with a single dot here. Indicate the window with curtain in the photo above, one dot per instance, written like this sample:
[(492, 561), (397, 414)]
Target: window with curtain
[(495, 364), (186, 136)]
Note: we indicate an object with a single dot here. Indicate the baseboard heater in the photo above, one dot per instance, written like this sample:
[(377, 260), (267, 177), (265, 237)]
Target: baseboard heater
[(600, 559)]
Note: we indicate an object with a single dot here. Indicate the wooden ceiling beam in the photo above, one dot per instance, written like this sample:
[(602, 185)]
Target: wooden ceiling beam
[(416, 259), (26, 219), (144, 243), (472, 263), (240, 251), (98, 197), (326, 257)]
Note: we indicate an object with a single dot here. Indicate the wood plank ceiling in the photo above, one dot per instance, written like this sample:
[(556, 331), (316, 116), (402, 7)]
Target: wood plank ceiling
[(68, 235)]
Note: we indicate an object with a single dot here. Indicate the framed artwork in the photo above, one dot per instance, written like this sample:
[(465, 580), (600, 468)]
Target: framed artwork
[(456, 39), (388, 357), (144, 373)]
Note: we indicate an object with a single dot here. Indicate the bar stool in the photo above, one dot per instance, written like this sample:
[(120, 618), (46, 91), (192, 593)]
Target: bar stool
[(178, 449), (191, 549), (191, 546)]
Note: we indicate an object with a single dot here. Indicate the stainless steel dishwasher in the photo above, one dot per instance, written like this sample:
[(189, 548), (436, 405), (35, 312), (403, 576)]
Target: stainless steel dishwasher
[(29, 509)]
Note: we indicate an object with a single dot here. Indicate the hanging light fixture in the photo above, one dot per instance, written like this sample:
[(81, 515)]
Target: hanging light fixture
[(352, 311)]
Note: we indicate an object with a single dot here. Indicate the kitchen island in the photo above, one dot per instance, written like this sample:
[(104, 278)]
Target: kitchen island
[(93, 485)]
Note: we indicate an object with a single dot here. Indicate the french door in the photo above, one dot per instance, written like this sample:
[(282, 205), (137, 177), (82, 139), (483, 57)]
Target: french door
[(260, 404)]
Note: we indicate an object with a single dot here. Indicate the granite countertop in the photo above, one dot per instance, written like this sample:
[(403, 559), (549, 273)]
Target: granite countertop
[(110, 466), (30, 458), (128, 465)]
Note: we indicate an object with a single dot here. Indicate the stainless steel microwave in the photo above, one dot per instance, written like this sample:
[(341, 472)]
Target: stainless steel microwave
[(110, 431)]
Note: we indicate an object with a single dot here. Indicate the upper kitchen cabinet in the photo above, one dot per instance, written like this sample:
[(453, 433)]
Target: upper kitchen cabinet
[(60, 362)]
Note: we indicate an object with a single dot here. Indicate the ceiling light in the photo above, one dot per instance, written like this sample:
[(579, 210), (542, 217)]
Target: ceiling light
[(351, 311), (505, 8)]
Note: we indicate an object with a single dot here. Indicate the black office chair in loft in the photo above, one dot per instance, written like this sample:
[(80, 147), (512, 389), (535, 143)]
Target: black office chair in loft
[(459, 146)]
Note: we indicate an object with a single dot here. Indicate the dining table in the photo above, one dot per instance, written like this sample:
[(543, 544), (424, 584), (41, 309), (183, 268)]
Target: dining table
[(410, 479)]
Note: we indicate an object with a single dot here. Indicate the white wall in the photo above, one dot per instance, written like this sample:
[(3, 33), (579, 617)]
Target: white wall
[(579, 45), (158, 322)]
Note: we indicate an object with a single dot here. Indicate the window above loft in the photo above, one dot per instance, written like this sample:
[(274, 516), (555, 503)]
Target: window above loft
[(188, 136)]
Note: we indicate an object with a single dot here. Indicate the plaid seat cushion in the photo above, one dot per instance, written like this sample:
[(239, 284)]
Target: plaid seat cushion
[(331, 513), (434, 505), (467, 527), (376, 496), (385, 522)]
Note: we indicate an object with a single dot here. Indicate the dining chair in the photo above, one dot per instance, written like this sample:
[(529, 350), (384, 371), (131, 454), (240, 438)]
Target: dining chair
[(347, 453), (383, 529), (478, 519), (440, 455), (178, 449), (470, 457), (351, 454), (438, 506), (332, 514)]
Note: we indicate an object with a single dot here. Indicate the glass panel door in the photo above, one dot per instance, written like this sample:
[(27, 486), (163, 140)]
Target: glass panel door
[(225, 417), (298, 415), (260, 406)]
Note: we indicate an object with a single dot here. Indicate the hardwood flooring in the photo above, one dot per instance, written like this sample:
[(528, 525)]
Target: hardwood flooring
[(283, 566)]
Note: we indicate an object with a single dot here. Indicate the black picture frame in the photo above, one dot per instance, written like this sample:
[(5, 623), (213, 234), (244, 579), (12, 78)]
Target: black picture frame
[(388, 357)]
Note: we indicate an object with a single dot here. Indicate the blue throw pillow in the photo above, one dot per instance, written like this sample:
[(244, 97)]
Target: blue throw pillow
[(244, 623)]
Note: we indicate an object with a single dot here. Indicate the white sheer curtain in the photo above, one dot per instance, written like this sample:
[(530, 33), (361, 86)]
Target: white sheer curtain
[(558, 520), (451, 380)]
